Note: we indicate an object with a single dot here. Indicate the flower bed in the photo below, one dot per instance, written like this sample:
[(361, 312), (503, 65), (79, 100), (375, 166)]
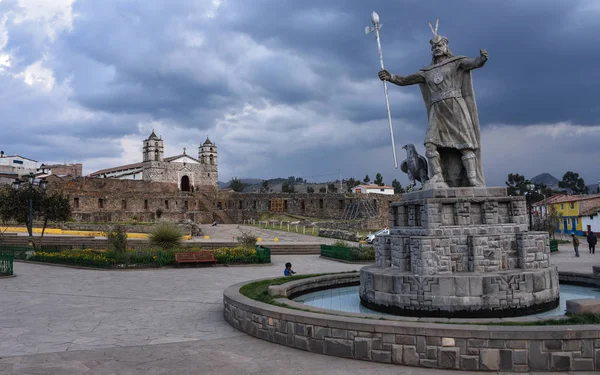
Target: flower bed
[(143, 258)]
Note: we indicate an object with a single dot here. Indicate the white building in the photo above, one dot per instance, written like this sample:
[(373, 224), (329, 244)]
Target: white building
[(187, 172), (590, 220), (17, 164), (373, 189)]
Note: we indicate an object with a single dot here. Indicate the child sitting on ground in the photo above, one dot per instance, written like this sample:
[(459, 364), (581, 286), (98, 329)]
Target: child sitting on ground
[(288, 269)]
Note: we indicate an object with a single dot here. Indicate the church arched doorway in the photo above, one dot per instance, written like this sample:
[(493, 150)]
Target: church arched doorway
[(185, 183)]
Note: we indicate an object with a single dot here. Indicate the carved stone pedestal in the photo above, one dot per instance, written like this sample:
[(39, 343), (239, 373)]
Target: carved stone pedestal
[(460, 252)]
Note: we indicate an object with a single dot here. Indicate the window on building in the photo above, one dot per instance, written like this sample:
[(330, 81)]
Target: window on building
[(155, 155), (285, 204), (572, 205), (240, 204), (302, 205), (254, 205), (185, 204), (341, 204), (167, 204), (211, 160), (145, 204), (123, 204), (209, 175), (76, 202), (100, 203), (321, 203), (381, 189), (562, 206)]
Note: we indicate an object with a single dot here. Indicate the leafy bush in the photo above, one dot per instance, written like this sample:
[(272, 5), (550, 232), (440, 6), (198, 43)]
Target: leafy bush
[(159, 213), (166, 236), (340, 243), (86, 257), (363, 253), (247, 240), (108, 258), (117, 238), (236, 255)]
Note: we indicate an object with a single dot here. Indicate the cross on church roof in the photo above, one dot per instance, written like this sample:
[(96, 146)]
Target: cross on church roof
[(184, 150)]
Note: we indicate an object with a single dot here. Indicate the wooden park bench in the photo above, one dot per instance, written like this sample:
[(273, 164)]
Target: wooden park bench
[(195, 257)]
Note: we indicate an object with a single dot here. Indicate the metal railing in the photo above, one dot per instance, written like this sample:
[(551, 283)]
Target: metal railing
[(7, 258)]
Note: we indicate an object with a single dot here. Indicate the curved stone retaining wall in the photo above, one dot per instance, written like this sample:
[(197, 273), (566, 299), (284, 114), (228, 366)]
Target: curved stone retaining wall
[(444, 346)]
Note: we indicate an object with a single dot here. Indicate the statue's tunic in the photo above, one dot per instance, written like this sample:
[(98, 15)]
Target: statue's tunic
[(450, 121), (448, 94)]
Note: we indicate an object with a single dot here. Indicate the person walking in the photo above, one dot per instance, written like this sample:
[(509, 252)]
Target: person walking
[(575, 244), (592, 240)]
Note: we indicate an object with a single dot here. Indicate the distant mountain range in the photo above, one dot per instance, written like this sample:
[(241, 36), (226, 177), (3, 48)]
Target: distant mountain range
[(552, 182), (546, 179)]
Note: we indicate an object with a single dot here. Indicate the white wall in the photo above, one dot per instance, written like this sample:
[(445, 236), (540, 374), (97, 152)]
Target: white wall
[(594, 222), (18, 165)]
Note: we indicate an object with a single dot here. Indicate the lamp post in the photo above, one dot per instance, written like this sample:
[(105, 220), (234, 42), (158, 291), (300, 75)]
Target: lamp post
[(31, 183)]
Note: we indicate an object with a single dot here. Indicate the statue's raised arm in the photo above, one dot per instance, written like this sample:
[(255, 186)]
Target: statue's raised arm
[(412, 79), (470, 64)]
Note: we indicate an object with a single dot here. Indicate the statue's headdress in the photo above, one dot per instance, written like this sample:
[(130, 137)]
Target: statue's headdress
[(436, 38)]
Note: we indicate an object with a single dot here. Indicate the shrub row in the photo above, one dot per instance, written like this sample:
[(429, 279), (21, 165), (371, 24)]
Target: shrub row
[(340, 250), (141, 258)]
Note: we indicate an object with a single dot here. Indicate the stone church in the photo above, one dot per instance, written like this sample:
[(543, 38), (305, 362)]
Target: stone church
[(189, 173)]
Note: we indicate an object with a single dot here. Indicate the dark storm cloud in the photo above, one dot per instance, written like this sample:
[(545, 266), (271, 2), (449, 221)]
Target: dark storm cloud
[(297, 78)]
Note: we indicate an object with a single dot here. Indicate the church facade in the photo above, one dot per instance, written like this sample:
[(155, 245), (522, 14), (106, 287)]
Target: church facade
[(189, 173)]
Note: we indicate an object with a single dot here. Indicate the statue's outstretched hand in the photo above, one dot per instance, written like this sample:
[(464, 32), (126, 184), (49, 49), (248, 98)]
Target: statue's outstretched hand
[(384, 75), (484, 53)]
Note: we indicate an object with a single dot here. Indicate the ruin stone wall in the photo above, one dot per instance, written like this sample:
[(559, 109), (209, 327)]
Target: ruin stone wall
[(247, 206), (110, 200)]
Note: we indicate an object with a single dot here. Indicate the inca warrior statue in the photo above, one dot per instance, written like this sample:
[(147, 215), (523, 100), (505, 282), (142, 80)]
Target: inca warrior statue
[(452, 141)]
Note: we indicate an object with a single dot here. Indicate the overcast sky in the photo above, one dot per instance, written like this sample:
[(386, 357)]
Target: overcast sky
[(290, 87)]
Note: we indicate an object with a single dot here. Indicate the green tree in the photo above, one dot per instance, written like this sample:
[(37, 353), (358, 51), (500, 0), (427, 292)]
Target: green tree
[(54, 207), (367, 179), (332, 188), (350, 183), (572, 182), (548, 222), (378, 179), (397, 187), (517, 184), (265, 186), (14, 205), (287, 187), (236, 184)]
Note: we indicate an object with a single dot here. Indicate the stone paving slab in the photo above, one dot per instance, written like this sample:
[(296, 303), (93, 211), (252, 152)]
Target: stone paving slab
[(228, 232), (56, 320)]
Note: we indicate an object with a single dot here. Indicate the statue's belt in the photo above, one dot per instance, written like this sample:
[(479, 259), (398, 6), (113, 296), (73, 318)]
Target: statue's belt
[(439, 96)]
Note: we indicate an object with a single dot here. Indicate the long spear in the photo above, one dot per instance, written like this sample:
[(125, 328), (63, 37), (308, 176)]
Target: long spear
[(368, 30)]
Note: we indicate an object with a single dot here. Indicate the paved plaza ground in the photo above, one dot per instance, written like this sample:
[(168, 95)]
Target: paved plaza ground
[(59, 320)]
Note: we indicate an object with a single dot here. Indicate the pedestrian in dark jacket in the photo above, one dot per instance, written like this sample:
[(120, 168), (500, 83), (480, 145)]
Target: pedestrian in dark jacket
[(575, 244), (592, 240)]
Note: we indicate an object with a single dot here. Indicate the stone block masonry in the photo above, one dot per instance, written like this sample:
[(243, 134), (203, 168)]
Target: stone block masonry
[(101, 200), (460, 252), (445, 346)]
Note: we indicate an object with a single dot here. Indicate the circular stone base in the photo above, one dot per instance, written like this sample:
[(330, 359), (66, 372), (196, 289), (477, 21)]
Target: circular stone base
[(460, 295)]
